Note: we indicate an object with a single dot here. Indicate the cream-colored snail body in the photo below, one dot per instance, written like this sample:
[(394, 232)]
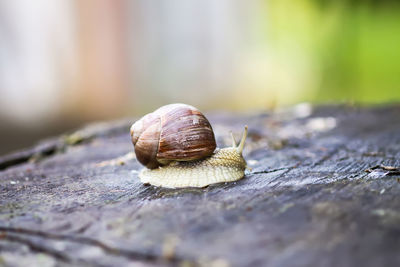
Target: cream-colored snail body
[(177, 145)]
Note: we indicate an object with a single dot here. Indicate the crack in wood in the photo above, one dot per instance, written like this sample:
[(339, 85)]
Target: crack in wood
[(134, 255), (275, 170), (25, 156), (36, 247)]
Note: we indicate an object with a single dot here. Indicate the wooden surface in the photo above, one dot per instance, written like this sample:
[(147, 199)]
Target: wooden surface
[(324, 190)]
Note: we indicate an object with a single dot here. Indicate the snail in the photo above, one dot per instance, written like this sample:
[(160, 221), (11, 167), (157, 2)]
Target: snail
[(177, 146)]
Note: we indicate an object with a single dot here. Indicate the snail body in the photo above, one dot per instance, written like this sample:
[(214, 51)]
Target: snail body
[(196, 167)]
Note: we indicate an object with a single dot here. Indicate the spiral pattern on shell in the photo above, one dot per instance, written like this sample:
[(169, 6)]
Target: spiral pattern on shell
[(175, 132)]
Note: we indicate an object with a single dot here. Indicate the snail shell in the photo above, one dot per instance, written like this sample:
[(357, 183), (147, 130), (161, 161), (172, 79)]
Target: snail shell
[(176, 132), (176, 144)]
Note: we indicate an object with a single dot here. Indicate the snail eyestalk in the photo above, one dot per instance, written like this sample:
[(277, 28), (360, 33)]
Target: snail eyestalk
[(241, 145), (233, 140)]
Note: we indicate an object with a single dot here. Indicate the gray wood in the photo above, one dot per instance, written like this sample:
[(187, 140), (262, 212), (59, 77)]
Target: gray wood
[(324, 190)]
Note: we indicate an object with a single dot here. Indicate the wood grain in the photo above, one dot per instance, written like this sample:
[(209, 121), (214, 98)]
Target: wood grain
[(324, 190)]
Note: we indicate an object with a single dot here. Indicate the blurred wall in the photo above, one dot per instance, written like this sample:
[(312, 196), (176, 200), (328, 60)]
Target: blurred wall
[(63, 63)]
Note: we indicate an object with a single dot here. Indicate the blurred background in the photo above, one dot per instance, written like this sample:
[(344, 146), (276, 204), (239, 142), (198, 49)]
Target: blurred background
[(65, 63)]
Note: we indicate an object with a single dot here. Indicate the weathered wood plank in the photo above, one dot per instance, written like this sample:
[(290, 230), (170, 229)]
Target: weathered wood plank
[(76, 200)]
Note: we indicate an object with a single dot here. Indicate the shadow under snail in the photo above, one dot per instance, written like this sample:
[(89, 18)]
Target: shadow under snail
[(176, 143)]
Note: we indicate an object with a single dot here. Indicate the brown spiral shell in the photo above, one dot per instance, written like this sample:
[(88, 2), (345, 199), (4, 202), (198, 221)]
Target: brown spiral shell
[(175, 132)]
